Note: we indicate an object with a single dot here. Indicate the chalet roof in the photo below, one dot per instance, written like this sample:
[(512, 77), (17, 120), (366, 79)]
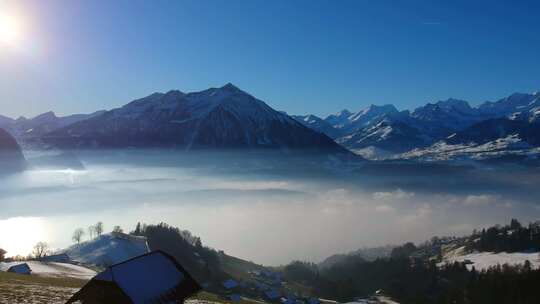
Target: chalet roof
[(155, 277)]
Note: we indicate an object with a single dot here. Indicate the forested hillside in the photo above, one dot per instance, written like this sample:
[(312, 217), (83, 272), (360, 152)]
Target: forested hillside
[(417, 274)]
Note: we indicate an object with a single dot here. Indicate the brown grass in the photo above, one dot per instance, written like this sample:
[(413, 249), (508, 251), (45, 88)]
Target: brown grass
[(31, 289), (16, 288)]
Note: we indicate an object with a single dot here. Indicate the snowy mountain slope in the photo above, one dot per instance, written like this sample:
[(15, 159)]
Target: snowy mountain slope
[(526, 104), (225, 117), (107, 249), (318, 124), (347, 122), (493, 129), (370, 116), (373, 153), (388, 135), (511, 145), (493, 138)]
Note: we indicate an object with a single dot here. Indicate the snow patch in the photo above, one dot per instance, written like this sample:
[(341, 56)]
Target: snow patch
[(52, 269), (108, 249), (485, 260)]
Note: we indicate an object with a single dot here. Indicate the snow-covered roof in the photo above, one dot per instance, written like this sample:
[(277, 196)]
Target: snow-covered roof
[(154, 277), (20, 268)]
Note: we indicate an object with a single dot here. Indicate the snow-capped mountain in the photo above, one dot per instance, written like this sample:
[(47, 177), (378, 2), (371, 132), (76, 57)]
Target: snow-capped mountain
[(383, 131), (347, 122), (318, 124), (228, 117), (444, 117), (225, 117), (339, 119), (516, 106), (370, 116), (378, 128)]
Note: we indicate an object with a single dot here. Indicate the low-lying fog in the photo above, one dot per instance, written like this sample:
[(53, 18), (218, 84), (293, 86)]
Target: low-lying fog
[(268, 211)]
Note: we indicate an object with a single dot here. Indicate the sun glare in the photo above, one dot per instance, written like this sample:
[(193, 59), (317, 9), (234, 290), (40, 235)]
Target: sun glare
[(10, 29), (20, 234)]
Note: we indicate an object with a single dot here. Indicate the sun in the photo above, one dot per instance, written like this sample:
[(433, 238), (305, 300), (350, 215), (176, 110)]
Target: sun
[(10, 30)]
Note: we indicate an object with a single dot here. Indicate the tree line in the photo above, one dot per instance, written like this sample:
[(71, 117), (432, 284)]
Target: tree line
[(509, 238), (422, 283), (202, 262), (411, 274)]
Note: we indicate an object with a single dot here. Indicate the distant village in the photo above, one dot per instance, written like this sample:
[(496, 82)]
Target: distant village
[(266, 285)]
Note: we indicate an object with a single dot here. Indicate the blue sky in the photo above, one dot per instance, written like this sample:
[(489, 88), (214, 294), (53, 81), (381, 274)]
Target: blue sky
[(298, 56)]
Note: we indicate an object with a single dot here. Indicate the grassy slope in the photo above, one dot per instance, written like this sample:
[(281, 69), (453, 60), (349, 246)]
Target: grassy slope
[(238, 268), (16, 288)]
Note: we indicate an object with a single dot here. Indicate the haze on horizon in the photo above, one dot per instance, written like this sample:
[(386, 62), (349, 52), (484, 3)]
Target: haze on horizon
[(255, 210), (299, 57)]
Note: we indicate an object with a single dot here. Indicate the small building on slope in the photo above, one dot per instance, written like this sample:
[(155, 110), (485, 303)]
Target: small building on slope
[(20, 269)]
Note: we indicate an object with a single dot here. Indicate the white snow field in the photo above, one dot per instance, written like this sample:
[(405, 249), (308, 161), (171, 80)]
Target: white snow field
[(485, 260), (53, 269), (108, 249)]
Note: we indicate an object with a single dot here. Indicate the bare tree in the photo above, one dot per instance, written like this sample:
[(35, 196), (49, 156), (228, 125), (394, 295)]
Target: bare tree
[(2, 254), (91, 231), (118, 229), (77, 235), (99, 228), (41, 249)]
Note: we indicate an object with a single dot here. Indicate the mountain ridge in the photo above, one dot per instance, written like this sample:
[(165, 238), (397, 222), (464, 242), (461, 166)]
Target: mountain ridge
[(224, 117), (228, 117), (396, 132)]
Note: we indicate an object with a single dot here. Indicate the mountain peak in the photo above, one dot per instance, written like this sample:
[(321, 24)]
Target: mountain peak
[(343, 112), (46, 115), (230, 87), (454, 103), (172, 94), (221, 118)]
